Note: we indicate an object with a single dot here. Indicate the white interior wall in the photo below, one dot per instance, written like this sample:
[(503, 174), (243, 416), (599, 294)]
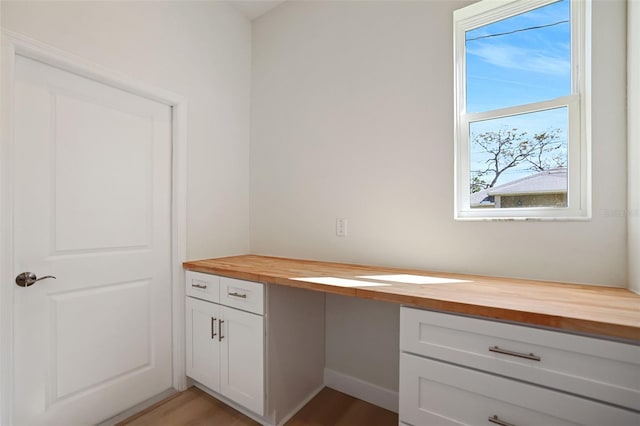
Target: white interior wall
[(375, 355), (633, 112), (200, 50), (352, 116)]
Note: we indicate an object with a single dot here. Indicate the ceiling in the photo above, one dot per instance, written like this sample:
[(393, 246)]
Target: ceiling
[(254, 8)]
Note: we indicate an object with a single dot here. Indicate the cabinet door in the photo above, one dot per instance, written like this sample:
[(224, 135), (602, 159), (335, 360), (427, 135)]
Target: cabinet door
[(242, 358), (203, 347)]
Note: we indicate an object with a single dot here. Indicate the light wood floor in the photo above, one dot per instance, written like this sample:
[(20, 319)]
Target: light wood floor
[(193, 407)]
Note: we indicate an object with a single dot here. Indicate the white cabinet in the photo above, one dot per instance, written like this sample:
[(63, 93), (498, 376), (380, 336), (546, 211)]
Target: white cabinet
[(259, 346), (203, 348), (460, 370), (439, 393), (225, 345), (241, 358)]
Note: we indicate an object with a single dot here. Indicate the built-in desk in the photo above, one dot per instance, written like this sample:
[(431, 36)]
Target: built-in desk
[(582, 378), (604, 311)]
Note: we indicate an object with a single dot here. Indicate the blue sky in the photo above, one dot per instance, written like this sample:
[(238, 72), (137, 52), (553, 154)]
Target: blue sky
[(523, 67), (519, 68)]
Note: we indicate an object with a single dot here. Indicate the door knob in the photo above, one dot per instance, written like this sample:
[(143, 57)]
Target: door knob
[(26, 279)]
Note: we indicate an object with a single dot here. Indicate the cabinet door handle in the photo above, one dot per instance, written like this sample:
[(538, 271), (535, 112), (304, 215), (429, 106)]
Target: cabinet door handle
[(234, 294), (530, 356), (213, 327), (199, 286), (495, 419), (220, 336)]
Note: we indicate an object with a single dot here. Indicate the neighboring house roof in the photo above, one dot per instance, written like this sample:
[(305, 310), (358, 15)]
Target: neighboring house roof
[(546, 182)]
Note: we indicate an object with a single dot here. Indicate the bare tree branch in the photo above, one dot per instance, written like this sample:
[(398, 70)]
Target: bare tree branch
[(509, 148)]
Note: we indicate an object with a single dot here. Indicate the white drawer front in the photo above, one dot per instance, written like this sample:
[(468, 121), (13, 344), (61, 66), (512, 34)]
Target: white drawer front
[(436, 393), (245, 295), (600, 369), (203, 286)]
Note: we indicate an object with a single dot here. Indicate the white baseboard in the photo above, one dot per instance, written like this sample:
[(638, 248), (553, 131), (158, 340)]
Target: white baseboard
[(344, 383), (138, 408), (374, 394), (299, 407), (253, 416), (267, 420)]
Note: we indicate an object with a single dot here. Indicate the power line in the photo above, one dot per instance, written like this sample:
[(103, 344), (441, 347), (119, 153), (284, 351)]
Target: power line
[(518, 31)]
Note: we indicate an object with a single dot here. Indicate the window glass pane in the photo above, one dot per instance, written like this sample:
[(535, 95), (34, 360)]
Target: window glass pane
[(519, 160), (522, 59)]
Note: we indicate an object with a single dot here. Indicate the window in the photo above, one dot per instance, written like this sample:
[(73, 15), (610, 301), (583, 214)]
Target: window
[(521, 110)]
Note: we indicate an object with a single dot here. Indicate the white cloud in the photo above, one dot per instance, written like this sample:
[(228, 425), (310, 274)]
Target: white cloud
[(521, 58)]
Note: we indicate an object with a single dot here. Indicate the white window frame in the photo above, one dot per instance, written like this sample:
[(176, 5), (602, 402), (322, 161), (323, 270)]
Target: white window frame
[(578, 104)]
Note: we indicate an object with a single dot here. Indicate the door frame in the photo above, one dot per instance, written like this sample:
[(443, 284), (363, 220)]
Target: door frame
[(15, 44)]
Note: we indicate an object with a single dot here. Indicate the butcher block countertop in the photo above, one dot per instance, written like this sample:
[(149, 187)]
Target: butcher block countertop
[(602, 311)]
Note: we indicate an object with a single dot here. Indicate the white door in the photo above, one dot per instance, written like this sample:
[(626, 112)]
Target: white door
[(242, 358), (203, 347), (92, 198)]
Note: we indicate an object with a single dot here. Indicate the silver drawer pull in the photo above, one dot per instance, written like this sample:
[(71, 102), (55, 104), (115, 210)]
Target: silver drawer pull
[(220, 336), (199, 286), (512, 353), (213, 327), (496, 420), (234, 294)]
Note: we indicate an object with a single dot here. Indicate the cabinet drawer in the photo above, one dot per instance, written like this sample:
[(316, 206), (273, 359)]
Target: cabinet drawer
[(245, 295), (203, 286), (600, 369), (436, 393)]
